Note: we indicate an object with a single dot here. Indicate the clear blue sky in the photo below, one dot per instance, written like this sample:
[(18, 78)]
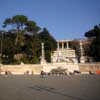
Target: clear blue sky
[(65, 19)]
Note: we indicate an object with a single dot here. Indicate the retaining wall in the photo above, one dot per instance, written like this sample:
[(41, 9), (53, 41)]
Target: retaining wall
[(93, 67), (37, 68), (22, 69)]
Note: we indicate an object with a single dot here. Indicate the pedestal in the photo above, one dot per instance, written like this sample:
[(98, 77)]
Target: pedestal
[(82, 59), (43, 61)]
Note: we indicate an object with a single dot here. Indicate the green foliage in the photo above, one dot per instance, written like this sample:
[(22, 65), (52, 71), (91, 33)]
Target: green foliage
[(32, 27), (21, 24), (18, 21), (94, 50), (24, 41), (50, 43)]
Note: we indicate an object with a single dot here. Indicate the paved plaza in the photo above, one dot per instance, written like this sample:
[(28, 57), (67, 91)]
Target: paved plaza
[(75, 87)]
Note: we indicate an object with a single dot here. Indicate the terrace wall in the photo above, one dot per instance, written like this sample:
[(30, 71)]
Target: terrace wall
[(22, 69), (37, 68), (93, 67)]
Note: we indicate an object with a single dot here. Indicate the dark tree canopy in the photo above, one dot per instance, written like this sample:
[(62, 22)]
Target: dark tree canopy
[(22, 42), (94, 50), (21, 22), (90, 34), (49, 41)]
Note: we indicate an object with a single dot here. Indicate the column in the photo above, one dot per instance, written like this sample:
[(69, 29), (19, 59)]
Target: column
[(58, 46), (42, 50), (81, 48), (62, 45), (43, 54), (82, 58), (67, 43)]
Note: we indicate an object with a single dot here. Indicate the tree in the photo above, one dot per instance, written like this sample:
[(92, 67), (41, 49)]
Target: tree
[(8, 47), (22, 42), (49, 43), (21, 25), (94, 50), (31, 26), (17, 21)]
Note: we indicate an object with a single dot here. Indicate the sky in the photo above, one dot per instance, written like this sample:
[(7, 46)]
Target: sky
[(64, 19)]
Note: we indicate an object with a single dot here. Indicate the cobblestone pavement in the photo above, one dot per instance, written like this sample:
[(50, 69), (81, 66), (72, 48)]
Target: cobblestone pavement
[(75, 87)]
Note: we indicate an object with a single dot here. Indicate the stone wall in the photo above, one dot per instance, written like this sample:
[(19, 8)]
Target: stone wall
[(37, 68), (70, 67), (93, 67), (21, 69)]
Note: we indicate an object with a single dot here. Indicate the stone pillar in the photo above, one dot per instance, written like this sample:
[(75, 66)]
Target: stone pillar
[(62, 45), (58, 46), (82, 58), (81, 48), (67, 44), (43, 54), (42, 50)]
